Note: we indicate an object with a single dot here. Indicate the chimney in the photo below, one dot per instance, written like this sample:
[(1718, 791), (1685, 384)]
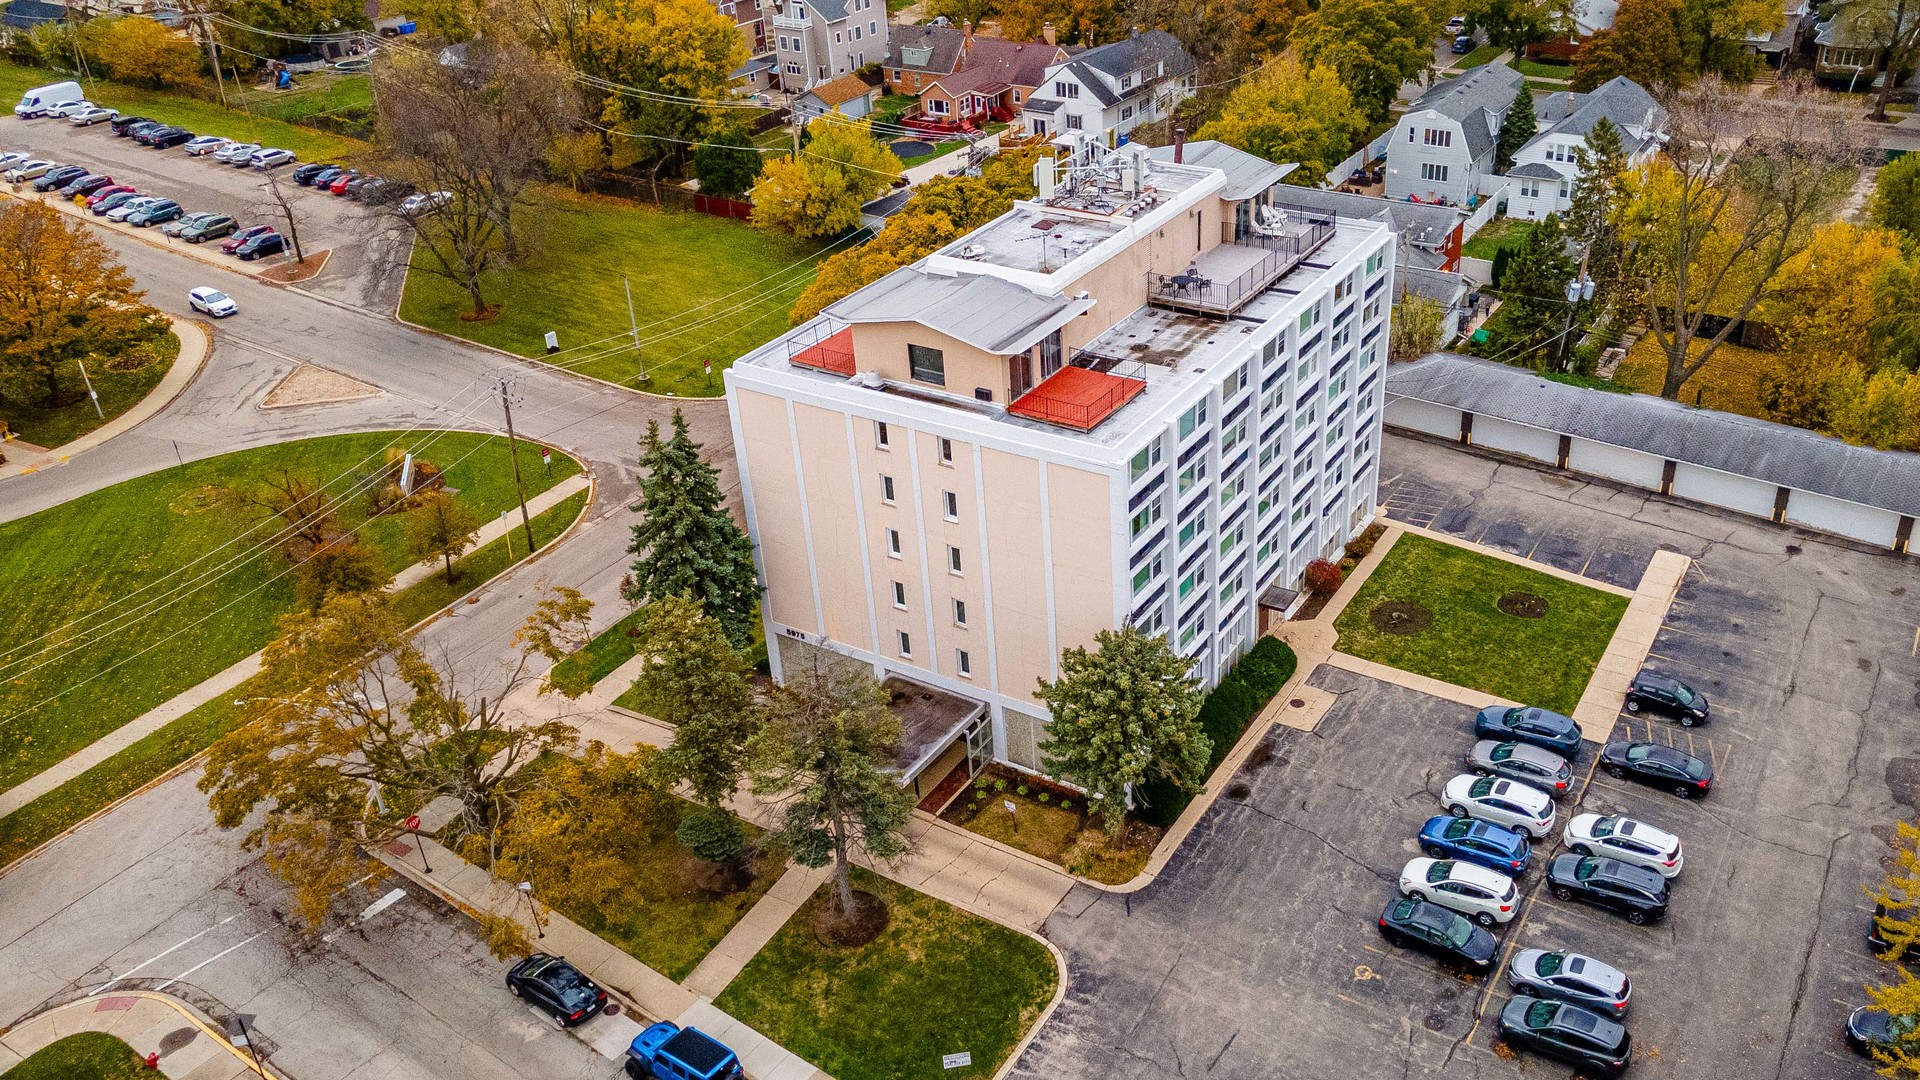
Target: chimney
[(1051, 35), (1179, 144)]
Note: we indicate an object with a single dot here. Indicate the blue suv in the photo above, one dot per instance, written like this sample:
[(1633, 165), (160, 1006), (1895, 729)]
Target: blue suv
[(1482, 843), (667, 1051)]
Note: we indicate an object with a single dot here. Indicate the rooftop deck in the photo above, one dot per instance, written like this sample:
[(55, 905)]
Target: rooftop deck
[(1225, 278), (1077, 397), (823, 351)]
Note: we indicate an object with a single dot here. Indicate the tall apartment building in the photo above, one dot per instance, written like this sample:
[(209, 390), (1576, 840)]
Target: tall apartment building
[(817, 41), (1150, 395)]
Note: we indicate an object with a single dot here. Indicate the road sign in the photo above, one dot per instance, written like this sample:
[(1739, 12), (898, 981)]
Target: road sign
[(412, 823), (1009, 805), (957, 1061)]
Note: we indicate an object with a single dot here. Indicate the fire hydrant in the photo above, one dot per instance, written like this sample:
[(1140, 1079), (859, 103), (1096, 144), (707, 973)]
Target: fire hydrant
[(153, 1062)]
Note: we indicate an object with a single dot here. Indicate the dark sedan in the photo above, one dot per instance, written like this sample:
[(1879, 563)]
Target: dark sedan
[(1569, 1033), (1416, 924), (112, 202), (159, 213), (85, 185), (144, 133), (1538, 727), (556, 988), (357, 187), (1660, 766), (1869, 1029), (60, 177), (1668, 696), (1634, 891), (242, 236), (267, 243), (167, 139), (1482, 843), (121, 125), (304, 174)]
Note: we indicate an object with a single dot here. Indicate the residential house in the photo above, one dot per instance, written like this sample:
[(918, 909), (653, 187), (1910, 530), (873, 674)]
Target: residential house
[(751, 20), (1442, 149), (848, 95), (1105, 407), (964, 79), (1849, 44), (1544, 172), (1428, 242), (1112, 89), (817, 41), (1779, 47)]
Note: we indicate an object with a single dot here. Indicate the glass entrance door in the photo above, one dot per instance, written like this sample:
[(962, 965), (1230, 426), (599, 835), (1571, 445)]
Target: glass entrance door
[(979, 745)]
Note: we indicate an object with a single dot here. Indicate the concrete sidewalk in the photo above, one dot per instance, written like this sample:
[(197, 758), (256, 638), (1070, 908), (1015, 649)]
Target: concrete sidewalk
[(1632, 640), (754, 930), (149, 1023)]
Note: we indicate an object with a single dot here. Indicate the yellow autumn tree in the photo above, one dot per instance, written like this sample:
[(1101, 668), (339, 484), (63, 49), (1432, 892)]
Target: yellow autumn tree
[(1821, 305), (820, 192), (140, 51)]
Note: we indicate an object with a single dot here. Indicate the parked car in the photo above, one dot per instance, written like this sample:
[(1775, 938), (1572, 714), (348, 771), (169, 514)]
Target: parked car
[(1457, 24), (359, 185), (1869, 1028), (1462, 44), (203, 145), (1570, 977), (239, 151), (338, 185), (183, 222), (425, 202), (85, 185), (1668, 696), (9, 160), (92, 115), (211, 227), (165, 140), (383, 191), (241, 236), (155, 213), (29, 169), (66, 109), (105, 207), (1524, 762), (38, 100), (1486, 896), (305, 174), (1633, 842), (58, 177), (267, 243), (1568, 1033), (122, 124), (667, 1051), (270, 159), (1538, 727), (1416, 924), (557, 988), (1633, 891), (100, 195), (1482, 843), (212, 301), (132, 206), (1661, 766), (139, 132), (1503, 802), (326, 176)]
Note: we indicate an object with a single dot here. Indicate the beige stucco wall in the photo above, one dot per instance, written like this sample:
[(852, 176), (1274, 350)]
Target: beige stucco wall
[(882, 347), (1021, 645), (1080, 503), (935, 480), (834, 517), (1120, 284), (768, 454)]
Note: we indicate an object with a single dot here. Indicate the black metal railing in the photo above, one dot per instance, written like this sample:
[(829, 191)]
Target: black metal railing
[(1192, 290)]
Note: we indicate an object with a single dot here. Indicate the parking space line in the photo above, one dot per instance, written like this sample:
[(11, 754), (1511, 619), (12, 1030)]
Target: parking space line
[(1690, 748), (1915, 651)]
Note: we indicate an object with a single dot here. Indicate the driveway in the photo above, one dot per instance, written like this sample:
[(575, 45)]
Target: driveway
[(1256, 954)]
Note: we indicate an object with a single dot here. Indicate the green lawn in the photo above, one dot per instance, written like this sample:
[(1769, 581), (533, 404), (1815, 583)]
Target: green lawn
[(320, 94), (1544, 661), (90, 559), (936, 981), (1496, 234), (90, 1055), (1538, 70), (120, 386), (705, 289), (1481, 55), (599, 657), (203, 117)]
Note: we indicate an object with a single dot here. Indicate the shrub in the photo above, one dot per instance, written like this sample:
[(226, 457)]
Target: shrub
[(1044, 797), (1224, 716), (711, 834), (1066, 804), (1021, 790), (1323, 576), (999, 785)]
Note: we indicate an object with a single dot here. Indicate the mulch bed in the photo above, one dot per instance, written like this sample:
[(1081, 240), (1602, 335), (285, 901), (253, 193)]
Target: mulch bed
[(1522, 605), (869, 918), (1400, 617)]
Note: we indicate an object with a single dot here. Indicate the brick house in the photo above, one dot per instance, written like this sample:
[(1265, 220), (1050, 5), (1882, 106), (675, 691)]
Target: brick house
[(964, 79)]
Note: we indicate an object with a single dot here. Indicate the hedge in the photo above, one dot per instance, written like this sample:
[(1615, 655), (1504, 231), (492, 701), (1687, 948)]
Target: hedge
[(1223, 716)]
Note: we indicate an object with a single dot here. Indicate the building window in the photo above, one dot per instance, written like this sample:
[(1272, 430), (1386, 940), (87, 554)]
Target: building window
[(880, 434), (900, 595), (893, 543), (1564, 189), (959, 613), (886, 489), (953, 559), (1192, 581), (938, 107), (1126, 82), (1232, 437), (963, 664), (952, 503), (1192, 474), (946, 451), (1191, 420), (1067, 91), (1146, 574), (1430, 171), (929, 365), (1191, 529), (906, 645), (1309, 317), (1529, 189), (1126, 112), (1232, 539), (1148, 514), (1437, 137), (1235, 383), (1073, 121), (1142, 461), (1375, 261)]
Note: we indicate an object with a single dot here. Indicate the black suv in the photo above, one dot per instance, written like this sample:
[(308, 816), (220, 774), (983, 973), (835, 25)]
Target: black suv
[(121, 125), (556, 988), (60, 177), (1567, 1033), (1667, 696), (168, 138), (1634, 891), (1416, 924)]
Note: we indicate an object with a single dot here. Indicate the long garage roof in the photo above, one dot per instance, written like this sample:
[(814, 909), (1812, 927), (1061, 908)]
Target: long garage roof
[(1778, 454)]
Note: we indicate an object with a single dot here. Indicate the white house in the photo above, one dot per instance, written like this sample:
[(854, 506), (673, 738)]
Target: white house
[(1112, 88), (1443, 146), (1544, 171)]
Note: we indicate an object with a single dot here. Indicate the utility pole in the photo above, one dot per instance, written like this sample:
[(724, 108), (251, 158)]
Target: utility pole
[(213, 56), (1578, 289), (793, 122), (633, 326), (513, 452)]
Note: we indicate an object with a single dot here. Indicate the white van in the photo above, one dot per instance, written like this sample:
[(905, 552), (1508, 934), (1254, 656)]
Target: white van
[(38, 100)]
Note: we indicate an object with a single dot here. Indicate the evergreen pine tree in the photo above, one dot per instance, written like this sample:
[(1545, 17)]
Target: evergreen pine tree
[(686, 544), (1533, 293), (1596, 196), (1518, 126)]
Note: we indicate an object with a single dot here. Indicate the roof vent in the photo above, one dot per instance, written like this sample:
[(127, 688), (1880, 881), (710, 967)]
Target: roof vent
[(871, 380)]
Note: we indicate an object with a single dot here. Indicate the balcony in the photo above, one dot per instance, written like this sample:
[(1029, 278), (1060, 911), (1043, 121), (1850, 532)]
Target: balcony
[(1224, 279), (784, 21), (823, 349), (1076, 397)]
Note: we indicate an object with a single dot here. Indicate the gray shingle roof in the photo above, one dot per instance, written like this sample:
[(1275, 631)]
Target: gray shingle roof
[(1537, 169), (1247, 174), (1619, 99), (987, 312), (1774, 453), (1477, 100), (945, 41), (1094, 83), (1421, 227), (1139, 53)]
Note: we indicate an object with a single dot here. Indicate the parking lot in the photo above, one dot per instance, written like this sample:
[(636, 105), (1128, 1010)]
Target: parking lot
[(1256, 953)]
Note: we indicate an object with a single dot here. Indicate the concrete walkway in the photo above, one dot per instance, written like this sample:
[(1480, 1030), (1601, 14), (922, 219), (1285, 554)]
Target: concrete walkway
[(195, 346), (1632, 640), (226, 681), (149, 1023), (754, 930)]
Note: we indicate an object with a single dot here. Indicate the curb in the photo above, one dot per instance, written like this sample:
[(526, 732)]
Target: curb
[(186, 1010)]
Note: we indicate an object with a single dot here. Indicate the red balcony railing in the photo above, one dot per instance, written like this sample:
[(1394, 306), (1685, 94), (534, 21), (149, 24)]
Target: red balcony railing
[(833, 352), (1076, 397)]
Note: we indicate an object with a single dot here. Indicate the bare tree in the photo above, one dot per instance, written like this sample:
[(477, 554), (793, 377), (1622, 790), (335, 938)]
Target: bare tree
[(1744, 182), (277, 204)]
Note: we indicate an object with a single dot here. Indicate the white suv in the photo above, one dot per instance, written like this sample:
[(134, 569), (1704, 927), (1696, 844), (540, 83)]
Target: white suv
[(1630, 841), (1486, 896), (1503, 802)]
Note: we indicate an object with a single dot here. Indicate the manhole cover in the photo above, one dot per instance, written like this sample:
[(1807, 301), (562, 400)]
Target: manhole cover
[(176, 1040), (1239, 792), (1522, 605), (1298, 703), (1400, 617)]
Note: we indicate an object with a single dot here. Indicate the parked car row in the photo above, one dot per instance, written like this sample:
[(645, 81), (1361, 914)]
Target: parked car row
[(122, 202)]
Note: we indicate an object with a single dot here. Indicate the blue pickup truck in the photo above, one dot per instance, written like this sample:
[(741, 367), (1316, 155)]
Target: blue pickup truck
[(668, 1051)]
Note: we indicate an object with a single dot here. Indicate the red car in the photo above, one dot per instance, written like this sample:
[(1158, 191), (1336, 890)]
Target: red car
[(339, 185), (233, 242), (100, 196)]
